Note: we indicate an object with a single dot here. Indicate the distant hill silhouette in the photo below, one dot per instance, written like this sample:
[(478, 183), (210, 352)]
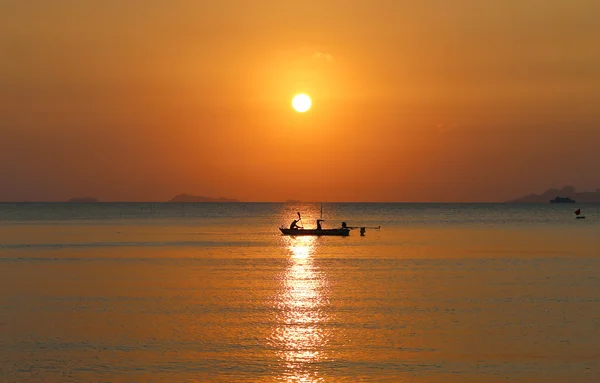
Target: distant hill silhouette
[(565, 192), (193, 198), (83, 200)]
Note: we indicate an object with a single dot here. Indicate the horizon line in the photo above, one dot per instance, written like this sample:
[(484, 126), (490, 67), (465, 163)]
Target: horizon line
[(279, 202)]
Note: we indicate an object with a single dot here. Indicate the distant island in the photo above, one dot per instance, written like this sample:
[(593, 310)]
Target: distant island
[(564, 195), (193, 198), (83, 200)]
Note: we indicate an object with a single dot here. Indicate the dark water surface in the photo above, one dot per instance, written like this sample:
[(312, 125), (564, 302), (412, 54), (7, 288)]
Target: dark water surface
[(213, 292)]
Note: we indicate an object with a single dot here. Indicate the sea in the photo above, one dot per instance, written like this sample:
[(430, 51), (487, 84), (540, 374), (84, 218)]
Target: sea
[(212, 292)]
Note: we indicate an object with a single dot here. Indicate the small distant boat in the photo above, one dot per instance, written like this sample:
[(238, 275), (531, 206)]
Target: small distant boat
[(562, 200), (341, 232), (344, 231), (577, 213)]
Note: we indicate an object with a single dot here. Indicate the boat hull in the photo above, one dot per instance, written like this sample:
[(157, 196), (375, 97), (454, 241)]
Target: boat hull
[(323, 232)]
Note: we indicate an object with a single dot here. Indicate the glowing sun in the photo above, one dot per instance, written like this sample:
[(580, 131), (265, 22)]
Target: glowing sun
[(301, 103)]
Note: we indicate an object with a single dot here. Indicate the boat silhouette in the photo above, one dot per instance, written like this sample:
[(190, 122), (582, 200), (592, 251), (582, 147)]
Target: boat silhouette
[(562, 200), (578, 214), (297, 228), (340, 232)]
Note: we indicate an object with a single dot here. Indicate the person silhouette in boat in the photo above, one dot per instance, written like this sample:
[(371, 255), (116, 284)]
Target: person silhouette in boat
[(319, 224), (294, 224)]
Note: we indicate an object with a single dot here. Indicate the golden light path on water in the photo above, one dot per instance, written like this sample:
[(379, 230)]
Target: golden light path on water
[(301, 335)]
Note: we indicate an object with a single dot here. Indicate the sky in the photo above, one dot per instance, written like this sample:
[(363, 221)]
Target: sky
[(449, 101)]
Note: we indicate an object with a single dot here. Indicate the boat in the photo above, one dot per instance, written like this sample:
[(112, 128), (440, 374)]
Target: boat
[(577, 213), (344, 231), (295, 230), (562, 200), (341, 232)]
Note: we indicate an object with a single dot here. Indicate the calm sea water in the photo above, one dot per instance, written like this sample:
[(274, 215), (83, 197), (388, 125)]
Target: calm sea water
[(213, 292)]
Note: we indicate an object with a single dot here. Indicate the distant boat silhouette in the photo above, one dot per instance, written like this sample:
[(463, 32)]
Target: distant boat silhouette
[(577, 213), (341, 232), (296, 230), (562, 200), (567, 191)]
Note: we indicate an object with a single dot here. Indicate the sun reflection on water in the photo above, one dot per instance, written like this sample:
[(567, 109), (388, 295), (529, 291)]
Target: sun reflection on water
[(300, 335)]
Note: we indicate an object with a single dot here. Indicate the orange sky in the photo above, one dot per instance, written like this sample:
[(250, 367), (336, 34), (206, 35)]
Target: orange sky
[(462, 100)]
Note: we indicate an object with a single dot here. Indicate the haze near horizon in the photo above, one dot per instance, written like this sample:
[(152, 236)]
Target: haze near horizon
[(428, 101)]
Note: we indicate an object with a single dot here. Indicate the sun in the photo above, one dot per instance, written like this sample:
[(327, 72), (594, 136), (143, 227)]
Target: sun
[(301, 103)]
